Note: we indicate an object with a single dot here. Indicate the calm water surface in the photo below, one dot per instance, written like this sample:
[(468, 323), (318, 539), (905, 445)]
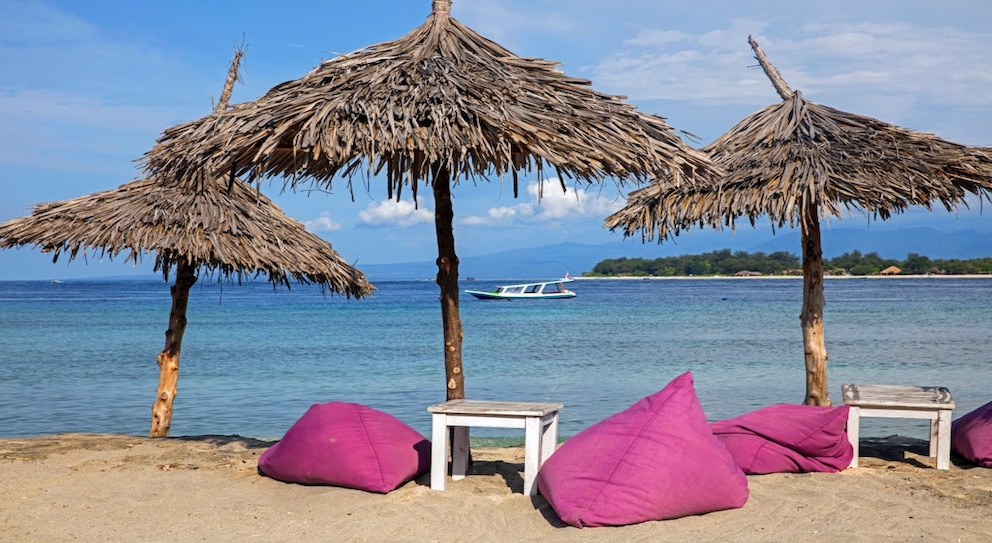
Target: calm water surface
[(80, 356)]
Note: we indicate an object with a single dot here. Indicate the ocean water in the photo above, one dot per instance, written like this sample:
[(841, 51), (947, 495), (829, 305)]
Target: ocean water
[(80, 356)]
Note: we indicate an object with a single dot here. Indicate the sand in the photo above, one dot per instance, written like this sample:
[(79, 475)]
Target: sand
[(95, 487)]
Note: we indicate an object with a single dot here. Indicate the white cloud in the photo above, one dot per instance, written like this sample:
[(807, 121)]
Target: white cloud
[(393, 213), (547, 202), (664, 64), (825, 60), (508, 212), (323, 223), (553, 203)]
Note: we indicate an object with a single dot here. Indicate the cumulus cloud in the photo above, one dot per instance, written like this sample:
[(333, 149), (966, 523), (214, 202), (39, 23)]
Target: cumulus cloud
[(323, 223), (393, 213), (547, 202)]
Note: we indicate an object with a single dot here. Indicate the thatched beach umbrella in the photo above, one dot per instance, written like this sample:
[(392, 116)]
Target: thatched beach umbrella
[(435, 106), (221, 226), (797, 161)]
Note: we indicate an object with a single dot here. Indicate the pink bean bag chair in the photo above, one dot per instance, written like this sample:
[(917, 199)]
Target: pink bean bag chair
[(349, 445), (971, 436), (788, 438), (655, 460)]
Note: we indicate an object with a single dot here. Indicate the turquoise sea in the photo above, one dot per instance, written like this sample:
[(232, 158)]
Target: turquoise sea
[(80, 356)]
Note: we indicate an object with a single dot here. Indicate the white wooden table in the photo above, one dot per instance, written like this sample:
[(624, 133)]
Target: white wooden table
[(539, 421), (893, 401)]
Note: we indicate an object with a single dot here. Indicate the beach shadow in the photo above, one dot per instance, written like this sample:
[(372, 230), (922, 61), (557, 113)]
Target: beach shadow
[(510, 472), (907, 450), (222, 440), (543, 507)]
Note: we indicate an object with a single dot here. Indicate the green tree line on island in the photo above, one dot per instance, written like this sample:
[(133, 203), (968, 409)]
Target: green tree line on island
[(726, 262)]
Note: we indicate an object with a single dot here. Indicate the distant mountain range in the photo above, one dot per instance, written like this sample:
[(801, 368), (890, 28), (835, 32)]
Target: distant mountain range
[(551, 261)]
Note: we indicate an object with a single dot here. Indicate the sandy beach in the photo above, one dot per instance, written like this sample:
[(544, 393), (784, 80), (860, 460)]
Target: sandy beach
[(100, 487)]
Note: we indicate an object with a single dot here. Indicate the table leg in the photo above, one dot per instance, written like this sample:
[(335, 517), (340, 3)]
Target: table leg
[(459, 453), (439, 451), (854, 431), (943, 439), (532, 453), (549, 441)]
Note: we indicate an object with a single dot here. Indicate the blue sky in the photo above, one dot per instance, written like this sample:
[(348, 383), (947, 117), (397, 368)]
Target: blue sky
[(87, 86)]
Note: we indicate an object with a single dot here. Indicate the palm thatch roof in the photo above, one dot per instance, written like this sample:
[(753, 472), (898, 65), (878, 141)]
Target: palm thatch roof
[(797, 155), (221, 225), (442, 95), (797, 161), (225, 227), (437, 105)]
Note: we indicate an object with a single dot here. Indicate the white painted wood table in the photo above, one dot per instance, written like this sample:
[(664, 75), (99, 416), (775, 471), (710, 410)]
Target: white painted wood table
[(894, 401), (539, 421)]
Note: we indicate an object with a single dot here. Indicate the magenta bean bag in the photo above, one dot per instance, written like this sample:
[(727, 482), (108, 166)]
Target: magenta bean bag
[(971, 436), (655, 460), (349, 445), (788, 438)]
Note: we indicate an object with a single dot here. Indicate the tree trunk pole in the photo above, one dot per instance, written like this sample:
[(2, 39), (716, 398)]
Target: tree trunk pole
[(770, 70), (232, 77), (812, 312), (447, 279), (168, 359)]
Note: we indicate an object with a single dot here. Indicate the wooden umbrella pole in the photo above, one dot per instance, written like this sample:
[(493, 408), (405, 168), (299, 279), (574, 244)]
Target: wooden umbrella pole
[(812, 312), (441, 6), (770, 70), (447, 279), (168, 359), (232, 77)]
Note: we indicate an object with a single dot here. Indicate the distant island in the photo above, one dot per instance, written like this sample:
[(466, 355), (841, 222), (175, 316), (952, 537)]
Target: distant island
[(740, 263)]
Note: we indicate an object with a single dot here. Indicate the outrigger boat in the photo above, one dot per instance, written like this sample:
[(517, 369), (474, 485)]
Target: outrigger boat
[(547, 290)]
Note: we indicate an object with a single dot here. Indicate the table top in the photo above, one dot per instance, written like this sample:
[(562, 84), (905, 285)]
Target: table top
[(490, 407), (897, 396)]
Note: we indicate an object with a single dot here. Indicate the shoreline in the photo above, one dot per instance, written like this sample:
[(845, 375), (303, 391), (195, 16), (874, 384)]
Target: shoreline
[(111, 487), (759, 277)]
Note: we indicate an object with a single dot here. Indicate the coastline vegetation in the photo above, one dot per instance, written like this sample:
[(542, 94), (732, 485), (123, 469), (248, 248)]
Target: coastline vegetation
[(741, 263)]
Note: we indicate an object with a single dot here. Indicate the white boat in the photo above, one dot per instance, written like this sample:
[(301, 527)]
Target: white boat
[(544, 290)]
